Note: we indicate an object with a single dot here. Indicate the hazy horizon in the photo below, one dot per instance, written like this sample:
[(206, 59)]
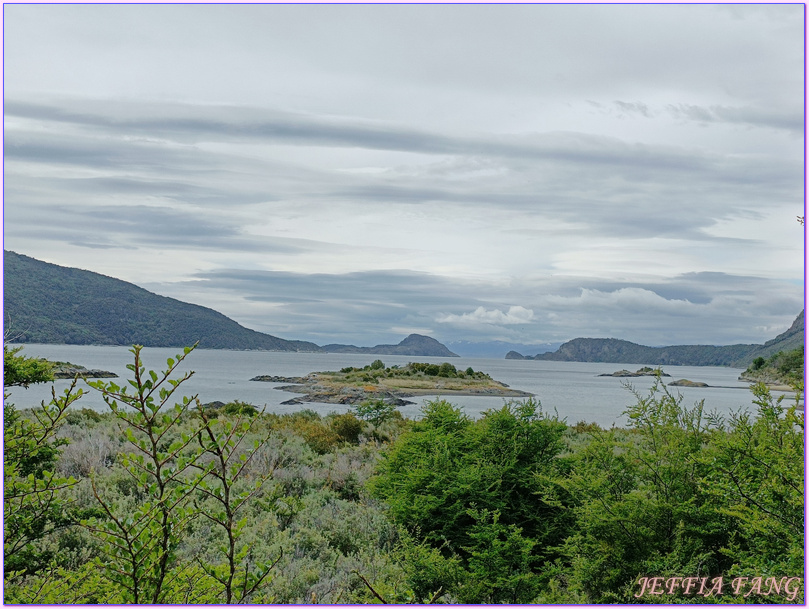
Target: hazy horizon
[(356, 173)]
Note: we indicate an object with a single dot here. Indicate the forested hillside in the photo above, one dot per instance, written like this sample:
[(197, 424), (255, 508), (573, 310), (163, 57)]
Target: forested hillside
[(612, 350), (219, 503), (47, 303)]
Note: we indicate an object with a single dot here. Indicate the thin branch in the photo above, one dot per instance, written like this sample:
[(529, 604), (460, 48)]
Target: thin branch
[(370, 587)]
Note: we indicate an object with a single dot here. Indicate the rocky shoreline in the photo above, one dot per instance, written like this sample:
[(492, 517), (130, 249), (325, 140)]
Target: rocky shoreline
[(66, 370), (772, 381), (645, 371)]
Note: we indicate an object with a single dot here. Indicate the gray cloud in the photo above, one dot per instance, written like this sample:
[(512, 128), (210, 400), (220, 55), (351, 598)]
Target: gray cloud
[(524, 173), (533, 172), (673, 311), (130, 227), (792, 121), (190, 124), (633, 108), (619, 186)]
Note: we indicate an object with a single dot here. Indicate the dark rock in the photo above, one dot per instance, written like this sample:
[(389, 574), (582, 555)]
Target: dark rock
[(215, 405), (294, 402)]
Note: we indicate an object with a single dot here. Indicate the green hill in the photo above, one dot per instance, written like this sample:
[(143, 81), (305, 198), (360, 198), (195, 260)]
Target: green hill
[(415, 344), (47, 303), (612, 350)]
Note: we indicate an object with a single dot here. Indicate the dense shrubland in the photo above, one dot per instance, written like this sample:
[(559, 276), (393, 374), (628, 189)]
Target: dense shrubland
[(163, 499)]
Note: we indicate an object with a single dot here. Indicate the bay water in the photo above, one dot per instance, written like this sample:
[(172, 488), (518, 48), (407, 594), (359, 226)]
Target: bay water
[(574, 390)]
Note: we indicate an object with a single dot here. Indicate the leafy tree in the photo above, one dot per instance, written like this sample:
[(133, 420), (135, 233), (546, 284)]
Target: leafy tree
[(33, 506), (447, 370), (425, 576), (791, 365), (21, 371), (374, 411), (377, 365), (500, 564), (756, 477), (347, 427), (32, 503), (141, 541), (681, 493), (221, 441), (460, 484), (184, 467), (428, 573), (639, 502)]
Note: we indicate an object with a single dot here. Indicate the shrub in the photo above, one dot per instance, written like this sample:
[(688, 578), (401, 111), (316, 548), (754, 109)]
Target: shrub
[(320, 437), (84, 417), (240, 408), (347, 426), (447, 370)]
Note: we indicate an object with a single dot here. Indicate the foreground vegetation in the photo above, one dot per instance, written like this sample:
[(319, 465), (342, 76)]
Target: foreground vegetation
[(164, 500)]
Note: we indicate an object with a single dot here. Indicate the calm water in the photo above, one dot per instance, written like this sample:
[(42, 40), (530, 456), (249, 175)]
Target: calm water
[(573, 389)]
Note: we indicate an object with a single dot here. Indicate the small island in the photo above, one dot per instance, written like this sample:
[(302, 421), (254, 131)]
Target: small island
[(687, 383), (391, 384), (645, 371)]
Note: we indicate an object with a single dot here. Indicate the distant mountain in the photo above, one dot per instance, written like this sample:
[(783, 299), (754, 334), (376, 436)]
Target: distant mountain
[(612, 350), (415, 344), (625, 352), (497, 349), (47, 303)]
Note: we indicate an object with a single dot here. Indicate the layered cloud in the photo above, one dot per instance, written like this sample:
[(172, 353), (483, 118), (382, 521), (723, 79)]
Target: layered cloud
[(516, 315), (522, 173), (656, 312)]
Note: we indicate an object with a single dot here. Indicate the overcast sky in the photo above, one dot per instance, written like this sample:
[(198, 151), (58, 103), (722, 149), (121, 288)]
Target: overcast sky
[(356, 173)]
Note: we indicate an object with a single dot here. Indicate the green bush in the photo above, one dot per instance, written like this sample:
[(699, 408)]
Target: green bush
[(447, 370), (375, 412), (347, 426), (240, 408)]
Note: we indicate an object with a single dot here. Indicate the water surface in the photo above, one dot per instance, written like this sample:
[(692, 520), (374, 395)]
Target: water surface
[(573, 389)]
